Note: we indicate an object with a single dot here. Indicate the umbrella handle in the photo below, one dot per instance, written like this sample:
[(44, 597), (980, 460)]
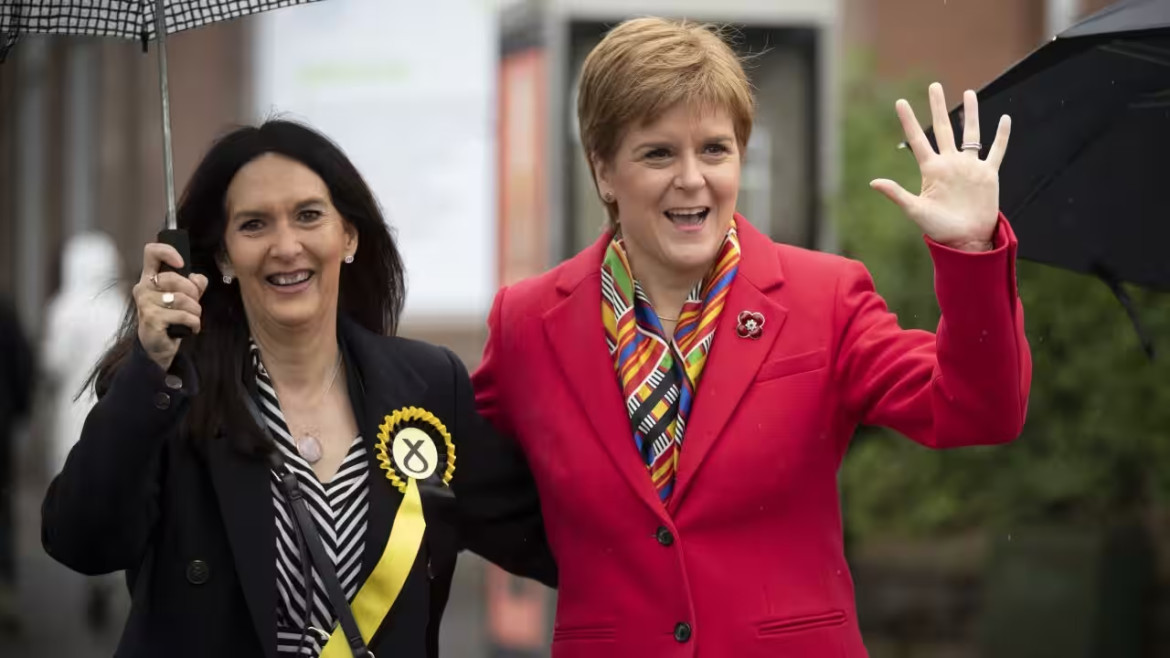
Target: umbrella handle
[(177, 238)]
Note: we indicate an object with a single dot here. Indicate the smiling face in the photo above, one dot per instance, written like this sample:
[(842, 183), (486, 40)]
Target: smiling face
[(674, 181), (285, 242)]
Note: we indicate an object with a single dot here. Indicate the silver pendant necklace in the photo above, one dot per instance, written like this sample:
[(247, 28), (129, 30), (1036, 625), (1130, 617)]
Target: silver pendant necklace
[(307, 443)]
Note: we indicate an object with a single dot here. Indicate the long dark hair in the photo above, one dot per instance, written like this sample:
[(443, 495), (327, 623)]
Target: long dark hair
[(371, 289)]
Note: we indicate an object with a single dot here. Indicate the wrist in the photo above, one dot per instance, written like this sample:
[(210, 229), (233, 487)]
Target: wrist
[(972, 246)]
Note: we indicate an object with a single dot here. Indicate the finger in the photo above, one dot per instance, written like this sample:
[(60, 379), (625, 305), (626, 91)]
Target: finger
[(200, 282), (915, 137), (145, 294), (163, 318), (944, 136), (894, 192), (999, 146), (182, 302), (970, 121), (138, 292), (154, 254), (177, 283)]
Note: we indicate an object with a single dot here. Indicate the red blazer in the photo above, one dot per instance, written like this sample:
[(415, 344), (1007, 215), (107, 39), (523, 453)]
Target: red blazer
[(747, 560)]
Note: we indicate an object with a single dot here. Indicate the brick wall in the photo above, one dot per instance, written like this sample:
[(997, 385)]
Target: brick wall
[(961, 43)]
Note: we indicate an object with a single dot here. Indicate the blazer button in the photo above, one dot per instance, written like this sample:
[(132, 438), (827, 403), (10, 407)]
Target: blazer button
[(198, 572), (162, 400), (682, 631), (664, 536)]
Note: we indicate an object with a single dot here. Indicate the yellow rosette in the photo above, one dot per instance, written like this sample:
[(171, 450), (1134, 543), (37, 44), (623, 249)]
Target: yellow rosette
[(412, 445)]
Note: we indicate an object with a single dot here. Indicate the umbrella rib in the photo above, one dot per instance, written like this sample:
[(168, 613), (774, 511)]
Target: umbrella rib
[(1158, 56), (1048, 178), (143, 25), (1150, 104), (1118, 290)]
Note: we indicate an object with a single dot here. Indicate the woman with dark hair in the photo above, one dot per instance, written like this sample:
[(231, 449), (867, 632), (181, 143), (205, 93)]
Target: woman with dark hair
[(284, 481)]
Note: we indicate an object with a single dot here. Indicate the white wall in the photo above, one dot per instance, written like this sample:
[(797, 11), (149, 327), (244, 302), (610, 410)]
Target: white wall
[(408, 90)]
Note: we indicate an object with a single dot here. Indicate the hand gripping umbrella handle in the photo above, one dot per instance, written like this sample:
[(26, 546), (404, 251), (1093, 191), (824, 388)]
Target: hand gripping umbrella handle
[(177, 238)]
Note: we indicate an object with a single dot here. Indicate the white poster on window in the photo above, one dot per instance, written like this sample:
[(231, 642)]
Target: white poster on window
[(408, 91)]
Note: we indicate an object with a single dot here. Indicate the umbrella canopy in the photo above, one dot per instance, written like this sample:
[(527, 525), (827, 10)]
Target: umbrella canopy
[(1083, 181), (126, 19)]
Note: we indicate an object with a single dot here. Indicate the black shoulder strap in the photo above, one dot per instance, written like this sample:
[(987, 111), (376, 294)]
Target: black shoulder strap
[(308, 534), (296, 499)]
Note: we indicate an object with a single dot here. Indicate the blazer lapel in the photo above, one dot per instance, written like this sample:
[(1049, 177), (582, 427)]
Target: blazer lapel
[(245, 500), (733, 361), (577, 338), (379, 383)]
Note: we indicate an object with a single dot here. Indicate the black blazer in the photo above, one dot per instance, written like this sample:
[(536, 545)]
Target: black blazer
[(191, 520)]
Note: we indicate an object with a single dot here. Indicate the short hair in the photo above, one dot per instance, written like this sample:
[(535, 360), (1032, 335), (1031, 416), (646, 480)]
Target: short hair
[(644, 67)]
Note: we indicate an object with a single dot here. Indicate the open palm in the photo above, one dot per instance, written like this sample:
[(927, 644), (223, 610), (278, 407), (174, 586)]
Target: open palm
[(958, 204)]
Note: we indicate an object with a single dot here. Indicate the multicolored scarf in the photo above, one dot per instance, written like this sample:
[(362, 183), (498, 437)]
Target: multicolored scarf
[(659, 377)]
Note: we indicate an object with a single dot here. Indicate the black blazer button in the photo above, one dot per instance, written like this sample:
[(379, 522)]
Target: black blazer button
[(162, 400), (664, 536), (198, 572), (682, 631)]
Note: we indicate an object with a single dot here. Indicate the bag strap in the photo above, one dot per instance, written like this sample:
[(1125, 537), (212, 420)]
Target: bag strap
[(307, 530), (337, 599)]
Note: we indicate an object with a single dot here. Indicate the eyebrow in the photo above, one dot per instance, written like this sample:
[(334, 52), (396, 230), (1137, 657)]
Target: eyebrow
[(657, 144), (252, 213), (653, 145)]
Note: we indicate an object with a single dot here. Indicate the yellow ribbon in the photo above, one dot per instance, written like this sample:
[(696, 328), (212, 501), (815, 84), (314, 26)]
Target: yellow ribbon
[(378, 593)]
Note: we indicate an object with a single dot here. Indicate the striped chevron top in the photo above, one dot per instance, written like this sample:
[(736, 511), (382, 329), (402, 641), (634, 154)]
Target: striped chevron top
[(339, 508)]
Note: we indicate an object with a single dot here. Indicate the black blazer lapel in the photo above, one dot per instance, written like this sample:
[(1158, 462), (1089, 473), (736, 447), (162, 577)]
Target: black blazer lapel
[(380, 382), (245, 501)]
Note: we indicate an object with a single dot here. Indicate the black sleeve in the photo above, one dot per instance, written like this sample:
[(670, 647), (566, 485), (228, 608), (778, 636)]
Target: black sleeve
[(100, 511), (497, 506)]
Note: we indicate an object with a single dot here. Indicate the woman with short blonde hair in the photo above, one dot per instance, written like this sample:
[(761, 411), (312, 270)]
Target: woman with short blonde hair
[(650, 65), (685, 389)]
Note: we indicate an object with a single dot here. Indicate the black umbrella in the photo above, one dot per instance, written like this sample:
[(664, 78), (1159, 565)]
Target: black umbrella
[(137, 20), (1085, 179)]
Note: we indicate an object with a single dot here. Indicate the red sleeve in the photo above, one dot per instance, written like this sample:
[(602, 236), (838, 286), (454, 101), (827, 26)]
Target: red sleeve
[(487, 383), (968, 383)]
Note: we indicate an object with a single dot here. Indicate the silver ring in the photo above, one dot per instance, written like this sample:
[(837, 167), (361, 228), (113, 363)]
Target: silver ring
[(154, 280), (168, 300), (971, 146)]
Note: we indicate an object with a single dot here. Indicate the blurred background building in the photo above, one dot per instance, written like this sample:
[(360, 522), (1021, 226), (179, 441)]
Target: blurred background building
[(461, 113)]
